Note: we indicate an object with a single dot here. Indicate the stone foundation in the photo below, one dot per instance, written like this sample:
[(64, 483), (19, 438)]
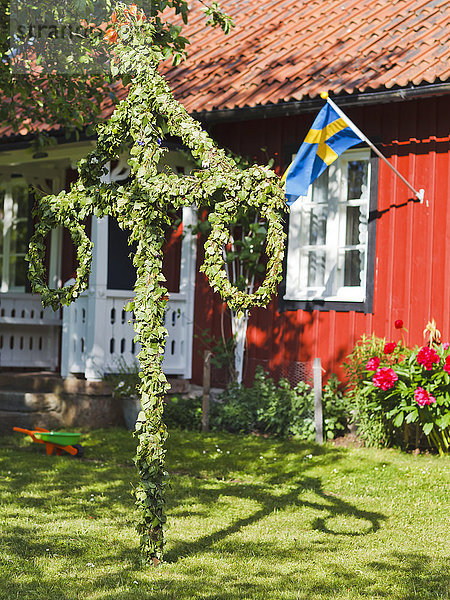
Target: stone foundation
[(30, 400), (45, 400)]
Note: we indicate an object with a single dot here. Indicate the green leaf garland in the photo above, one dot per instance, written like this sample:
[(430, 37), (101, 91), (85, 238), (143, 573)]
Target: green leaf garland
[(143, 206)]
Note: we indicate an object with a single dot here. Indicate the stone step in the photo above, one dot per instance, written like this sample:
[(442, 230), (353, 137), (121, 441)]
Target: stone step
[(12, 400), (52, 383), (178, 385), (30, 400), (33, 382), (57, 410)]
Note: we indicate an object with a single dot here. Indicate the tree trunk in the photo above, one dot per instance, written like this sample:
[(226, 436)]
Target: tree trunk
[(239, 329)]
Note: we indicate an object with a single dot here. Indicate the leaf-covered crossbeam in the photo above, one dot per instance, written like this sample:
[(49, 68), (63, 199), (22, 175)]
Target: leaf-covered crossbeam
[(143, 206)]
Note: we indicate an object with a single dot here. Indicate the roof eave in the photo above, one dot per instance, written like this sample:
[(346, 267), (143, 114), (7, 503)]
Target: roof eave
[(308, 105)]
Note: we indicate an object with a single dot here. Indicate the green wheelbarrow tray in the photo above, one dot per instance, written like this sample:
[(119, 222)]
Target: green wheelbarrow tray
[(62, 438), (55, 440)]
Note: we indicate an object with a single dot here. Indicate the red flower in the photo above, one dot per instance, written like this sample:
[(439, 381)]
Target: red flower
[(427, 357), (447, 365), (373, 364), (132, 10), (389, 347), (110, 36), (398, 324), (384, 378), (422, 397), (138, 15)]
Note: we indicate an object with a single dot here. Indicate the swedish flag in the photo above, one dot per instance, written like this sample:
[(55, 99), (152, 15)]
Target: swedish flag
[(329, 136)]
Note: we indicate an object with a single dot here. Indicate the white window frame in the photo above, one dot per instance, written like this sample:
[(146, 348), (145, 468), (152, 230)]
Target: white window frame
[(10, 220), (335, 246)]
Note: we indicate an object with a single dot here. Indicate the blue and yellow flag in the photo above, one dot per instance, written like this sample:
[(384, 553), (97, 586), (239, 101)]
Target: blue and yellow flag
[(329, 136)]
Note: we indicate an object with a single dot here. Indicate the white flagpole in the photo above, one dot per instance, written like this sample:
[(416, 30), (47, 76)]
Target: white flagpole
[(419, 194)]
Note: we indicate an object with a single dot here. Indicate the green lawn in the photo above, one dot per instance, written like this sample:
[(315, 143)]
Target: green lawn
[(248, 518)]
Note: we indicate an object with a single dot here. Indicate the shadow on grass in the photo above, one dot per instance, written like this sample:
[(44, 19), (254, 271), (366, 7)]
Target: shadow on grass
[(270, 500), (404, 576), (208, 567), (398, 576)]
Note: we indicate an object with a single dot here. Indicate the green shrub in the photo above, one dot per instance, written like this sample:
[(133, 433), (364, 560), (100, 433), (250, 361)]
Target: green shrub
[(183, 412), (373, 426), (236, 410), (286, 409), (265, 407), (278, 409), (336, 409)]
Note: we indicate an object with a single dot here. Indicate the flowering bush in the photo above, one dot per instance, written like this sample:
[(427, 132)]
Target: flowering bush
[(427, 357), (447, 364), (399, 386), (422, 397), (389, 347), (384, 378), (373, 363)]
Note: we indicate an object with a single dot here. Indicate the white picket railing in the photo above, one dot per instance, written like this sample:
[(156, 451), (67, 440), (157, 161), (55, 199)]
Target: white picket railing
[(119, 348), (97, 335), (96, 332), (29, 334)]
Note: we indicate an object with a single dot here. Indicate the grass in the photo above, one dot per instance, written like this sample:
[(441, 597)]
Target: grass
[(249, 518)]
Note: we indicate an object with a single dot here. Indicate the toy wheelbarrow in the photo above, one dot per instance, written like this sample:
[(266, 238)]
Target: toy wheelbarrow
[(55, 440)]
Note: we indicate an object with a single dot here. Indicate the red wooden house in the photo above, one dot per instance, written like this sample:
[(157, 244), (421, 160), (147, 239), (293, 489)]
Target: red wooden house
[(362, 250)]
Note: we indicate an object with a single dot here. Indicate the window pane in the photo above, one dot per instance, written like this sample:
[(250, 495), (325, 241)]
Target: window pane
[(327, 251), (353, 225), (18, 271), (19, 238), (316, 268), (352, 268), (320, 188), (357, 179), (318, 226), (2, 219), (20, 197)]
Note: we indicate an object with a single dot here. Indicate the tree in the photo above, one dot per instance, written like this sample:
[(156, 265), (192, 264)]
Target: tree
[(143, 206), (244, 265), (53, 57)]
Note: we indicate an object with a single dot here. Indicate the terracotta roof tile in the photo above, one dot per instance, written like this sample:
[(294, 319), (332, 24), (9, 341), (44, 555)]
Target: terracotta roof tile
[(284, 50), (289, 50)]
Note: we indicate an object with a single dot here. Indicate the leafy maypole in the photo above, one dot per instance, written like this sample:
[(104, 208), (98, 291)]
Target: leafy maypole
[(143, 206)]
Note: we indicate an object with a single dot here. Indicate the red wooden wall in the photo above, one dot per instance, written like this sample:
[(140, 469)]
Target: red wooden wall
[(412, 268)]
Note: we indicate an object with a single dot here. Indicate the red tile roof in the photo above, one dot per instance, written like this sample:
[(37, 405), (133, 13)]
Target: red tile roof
[(285, 50), (289, 50)]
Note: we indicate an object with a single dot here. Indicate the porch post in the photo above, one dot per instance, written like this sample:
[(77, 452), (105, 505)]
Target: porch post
[(96, 344), (187, 282)]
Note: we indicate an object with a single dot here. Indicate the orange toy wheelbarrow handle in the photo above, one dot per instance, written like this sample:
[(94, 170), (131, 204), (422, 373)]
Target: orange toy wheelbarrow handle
[(31, 433), (48, 445)]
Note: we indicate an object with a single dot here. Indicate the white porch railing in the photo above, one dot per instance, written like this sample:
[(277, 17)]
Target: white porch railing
[(29, 334), (97, 334), (119, 347)]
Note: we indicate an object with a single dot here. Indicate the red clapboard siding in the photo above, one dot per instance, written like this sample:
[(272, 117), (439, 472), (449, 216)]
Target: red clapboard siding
[(412, 268), (172, 258)]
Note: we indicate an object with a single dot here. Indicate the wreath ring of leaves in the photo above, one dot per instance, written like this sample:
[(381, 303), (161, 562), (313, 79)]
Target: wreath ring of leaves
[(269, 205), (55, 297)]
